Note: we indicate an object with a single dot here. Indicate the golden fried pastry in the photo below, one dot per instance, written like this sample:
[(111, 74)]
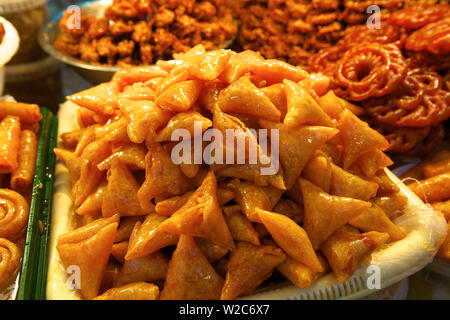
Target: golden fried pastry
[(249, 266), (325, 213), (133, 155), (89, 248), (126, 227), (14, 211), (99, 99), (90, 175), (148, 268), (240, 227), (27, 113), (302, 108), (190, 275), (211, 251), (234, 208), (247, 99), (432, 189), (9, 260), (345, 251), (132, 291), (9, 149), (374, 219), (94, 201), (290, 209), (201, 216), (165, 180), (144, 118), (120, 195), (358, 138), (250, 197), (150, 238), (297, 145), (291, 238), (22, 177), (319, 171), (345, 184)]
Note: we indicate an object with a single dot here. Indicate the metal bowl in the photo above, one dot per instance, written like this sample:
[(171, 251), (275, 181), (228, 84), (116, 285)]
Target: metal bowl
[(94, 73)]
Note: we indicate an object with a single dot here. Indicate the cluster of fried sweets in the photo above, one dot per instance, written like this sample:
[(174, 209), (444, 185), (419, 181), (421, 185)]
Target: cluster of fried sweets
[(134, 32), (291, 30), (151, 227), (18, 152), (397, 74)]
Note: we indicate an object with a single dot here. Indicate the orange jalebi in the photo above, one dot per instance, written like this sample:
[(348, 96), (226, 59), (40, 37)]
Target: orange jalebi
[(434, 37), (419, 15), (369, 70), (419, 102)]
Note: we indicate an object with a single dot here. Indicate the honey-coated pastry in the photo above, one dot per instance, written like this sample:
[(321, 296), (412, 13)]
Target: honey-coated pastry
[(89, 248), (22, 177), (326, 213), (190, 275), (14, 210), (432, 189), (9, 149), (345, 184), (165, 180), (250, 197), (27, 113), (131, 291), (375, 219), (358, 138), (99, 99), (297, 145), (93, 203), (292, 238), (150, 238), (290, 209), (126, 227), (248, 267), (345, 251), (120, 195), (90, 175), (9, 260), (302, 108), (149, 268), (201, 216), (212, 251), (240, 227)]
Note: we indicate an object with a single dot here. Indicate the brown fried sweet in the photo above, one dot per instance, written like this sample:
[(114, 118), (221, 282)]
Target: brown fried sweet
[(138, 32)]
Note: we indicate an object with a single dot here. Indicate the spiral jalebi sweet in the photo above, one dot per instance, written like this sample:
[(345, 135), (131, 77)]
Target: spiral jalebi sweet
[(419, 102), (9, 260), (434, 37), (417, 16), (369, 70), (14, 212)]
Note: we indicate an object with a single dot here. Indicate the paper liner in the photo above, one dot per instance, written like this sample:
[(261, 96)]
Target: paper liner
[(426, 229)]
